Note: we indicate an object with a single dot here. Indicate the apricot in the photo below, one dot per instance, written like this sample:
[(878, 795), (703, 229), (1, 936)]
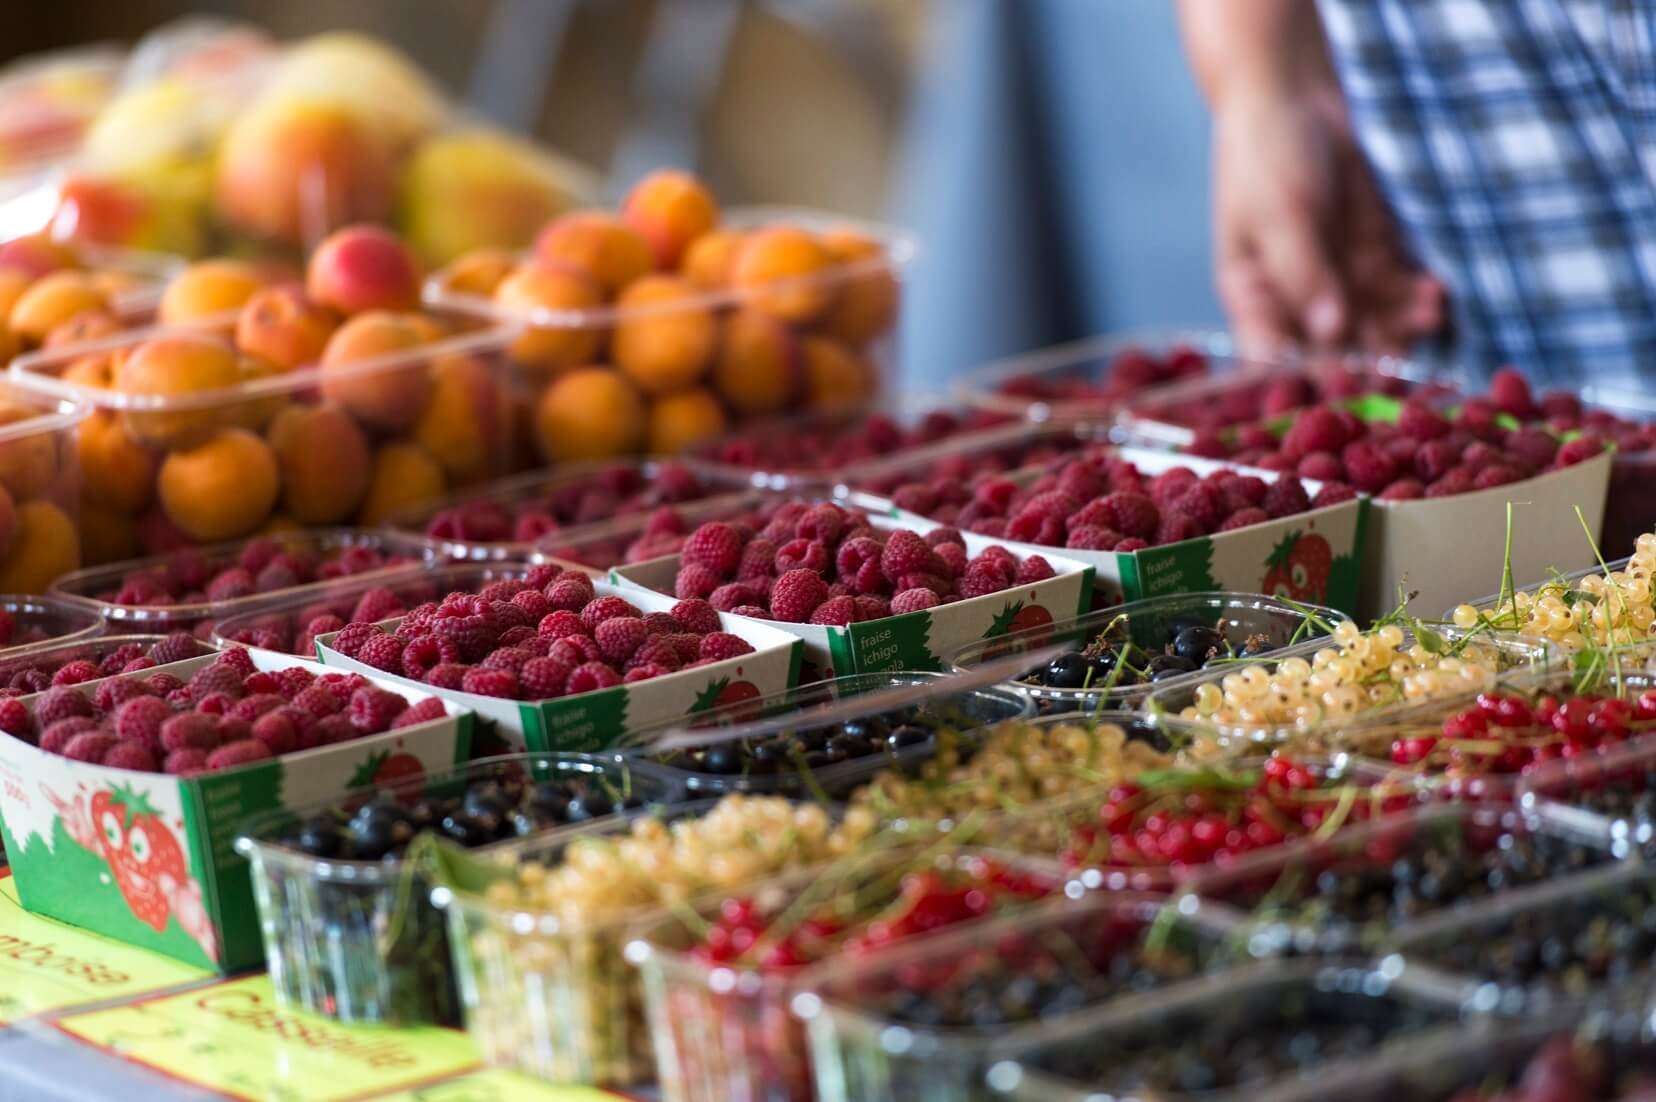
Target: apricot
[(670, 209), (207, 289), (711, 258), (324, 461), (866, 305), (115, 469), (477, 272), (590, 413), (13, 282), (221, 488), (835, 376), (680, 421), (781, 269), (464, 424), (106, 534), (8, 522), (95, 370), (757, 367), (34, 255), (263, 402), (89, 326), (28, 456), (46, 547), (661, 346), (362, 268), (283, 328), (115, 283), (598, 244), (9, 344), (388, 396), (175, 366), (535, 286), (52, 300), (403, 476)]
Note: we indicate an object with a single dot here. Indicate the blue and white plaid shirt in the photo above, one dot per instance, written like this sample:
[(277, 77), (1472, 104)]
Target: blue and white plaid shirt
[(1516, 142)]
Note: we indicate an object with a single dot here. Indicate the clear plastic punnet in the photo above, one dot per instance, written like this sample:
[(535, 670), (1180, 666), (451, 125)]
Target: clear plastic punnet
[(1614, 790), (916, 1021), (31, 668), (1249, 624), (1607, 606), (39, 471), (1264, 1031), (191, 589), (358, 939), (33, 624), (721, 1020)]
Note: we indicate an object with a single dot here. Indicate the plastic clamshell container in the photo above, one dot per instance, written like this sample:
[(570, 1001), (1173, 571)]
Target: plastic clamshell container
[(1240, 617), (1455, 952), (95, 587), (1504, 616), (360, 941), (863, 1051), (426, 415), (48, 658), (1573, 790), (40, 470), (1403, 1013), (857, 697), (529, 505), (1288, 908), (45, 621), (724, 1031), (843, 316)]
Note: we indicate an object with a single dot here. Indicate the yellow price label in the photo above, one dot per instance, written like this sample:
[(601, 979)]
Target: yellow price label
[(494, 1085), (47, 965), (235, 1039)]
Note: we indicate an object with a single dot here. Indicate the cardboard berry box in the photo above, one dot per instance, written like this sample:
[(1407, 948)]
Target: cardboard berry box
[(599, 719), (913, 640), (148, 858)]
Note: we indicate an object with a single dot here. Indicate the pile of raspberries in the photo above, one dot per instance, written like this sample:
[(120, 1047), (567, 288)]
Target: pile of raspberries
[(1425, 454), (77, 662), (1097, 501), (264, 565), (543, 636), (541, 510), (226, 715), (821, 564), (296, 632)]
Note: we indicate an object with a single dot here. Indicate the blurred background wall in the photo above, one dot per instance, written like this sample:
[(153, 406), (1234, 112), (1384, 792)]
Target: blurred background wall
[(1051, 154)]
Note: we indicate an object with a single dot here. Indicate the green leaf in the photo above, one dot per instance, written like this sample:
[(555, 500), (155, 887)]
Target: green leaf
[(1431, 640)]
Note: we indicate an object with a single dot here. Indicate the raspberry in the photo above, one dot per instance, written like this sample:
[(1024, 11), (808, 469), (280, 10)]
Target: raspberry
[(323, 624), (277, 731), (952, 558), (238, 661), (163, 683), (1171, 485), (141, 720), (1131, 544), (686, 645), (755, 611), (620, 637), (939, 536), (138, 664), (243, 752), (130, 755), (1202, 503), (318, 700), (659, 651), (835, 610), (1176, 528), (714, 545), (56, 736), (507, 616), (803, 554), (695, 581), (985, 576), (215, 704), (661, 623), (575, 649), (1477, 417), (1434, 459), (720, 645), (1082, 481), (1034, 569), (73, 673), (1510, 392), (1457, 481), (1368, 468), (230, 585), (89, 746), (1404, 489), (728, 596), (382, 652), (556, 625), (117, 691), (533, 604), (329, 731), (544, 678), (1242, 518), (1575, 451), (758, 559), (1535, 446), (917, 600), (1131, 514), (822, 523), (180, 698), (1496, 474), (1037, 528), (473, 635), (795, 596), (486, 682), (421, 654), (503, 590), (61, 703), (372, 709), (570, 592), (1283, 498), (993, 527), (352, 636), (1092, 537), (1332, 493), (607, 608), (510, 659), (183, 763), (541, 574), (905, 553), (15, 718), (872, 608), (644, 673), (448, 675), (1054, 504), (431, 708), (275, 576), (112, 662), (1321, 466), (696, 616), (589, 676), (1421, 422)]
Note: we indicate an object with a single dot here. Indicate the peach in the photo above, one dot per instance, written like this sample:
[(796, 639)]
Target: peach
[(711, 258), (208, 288), (34, 255), (757, 368), (90, 326), (477, 272), (404, 476), (291, 169), (115, 469), (362, 268), (46, 547), (590, 413), (324, 460), (535, 286), (670, 209), (598, 244), (52, 300), (383, 397), (464, 424), (867, 302), (660, 345), (283, 328), (782, 268), (835, 376), (679, 421), (29, 462), (176, 366), (107, 534), (221, 488)]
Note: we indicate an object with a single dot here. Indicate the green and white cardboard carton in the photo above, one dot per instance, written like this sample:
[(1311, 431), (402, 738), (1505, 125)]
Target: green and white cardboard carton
[(913, 640), (149, 858), (598, 720)]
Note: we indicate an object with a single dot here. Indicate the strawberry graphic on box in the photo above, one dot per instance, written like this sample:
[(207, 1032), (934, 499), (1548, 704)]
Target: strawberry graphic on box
[(1299, 567), (140, 850), (1019, 616), (726, 694)]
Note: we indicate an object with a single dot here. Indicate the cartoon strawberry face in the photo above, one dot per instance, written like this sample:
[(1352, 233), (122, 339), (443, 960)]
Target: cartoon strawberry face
[(141, 852), (1299, 567)]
